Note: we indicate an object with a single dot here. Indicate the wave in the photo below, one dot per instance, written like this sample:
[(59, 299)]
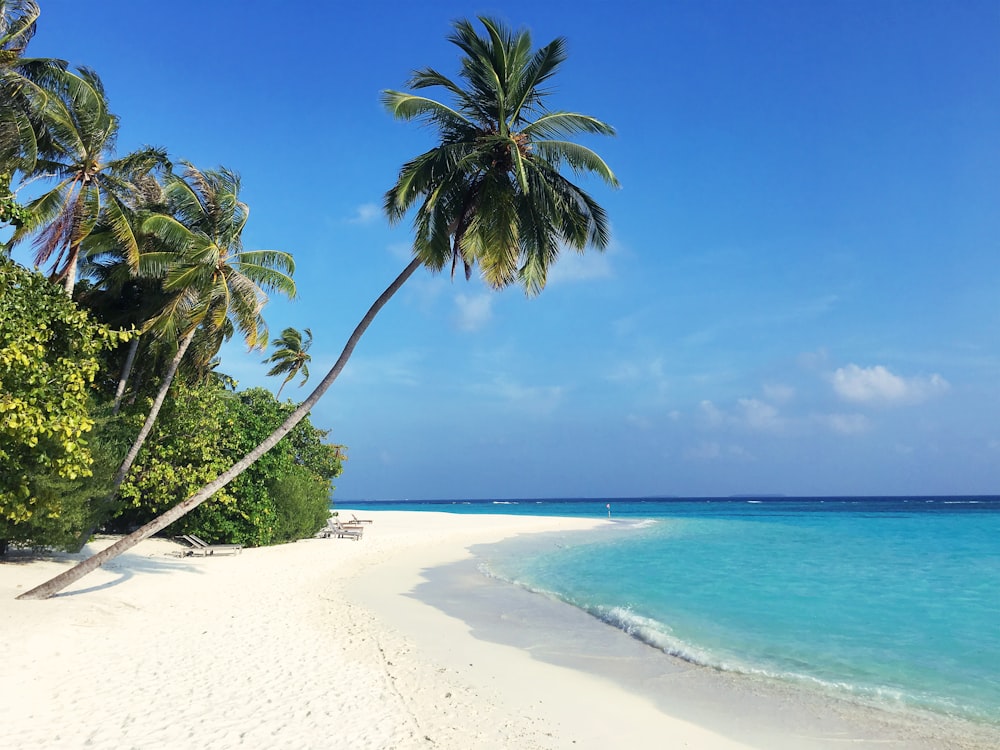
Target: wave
[(660, 636), (646, 523), (505, 502)]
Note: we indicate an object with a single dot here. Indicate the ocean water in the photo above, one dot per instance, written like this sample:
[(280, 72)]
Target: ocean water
[(892, 602)]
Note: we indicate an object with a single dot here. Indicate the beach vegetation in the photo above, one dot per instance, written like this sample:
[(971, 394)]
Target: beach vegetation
[(49, 357), (214, 286), (202, 429), (158, 254), (491, 194)]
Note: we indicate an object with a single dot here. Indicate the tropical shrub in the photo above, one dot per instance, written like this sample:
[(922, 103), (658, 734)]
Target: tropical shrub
[(48, 359), (301, 503)]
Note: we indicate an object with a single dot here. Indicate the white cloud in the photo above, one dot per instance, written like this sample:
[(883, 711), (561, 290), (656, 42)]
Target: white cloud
[(401, 250), (813, 360), (749, 414), (586, 266), (845, 424), (778, 393), (641, 374), (704, 451), (397, 368), (712, 451), (366, 213), (758, 415), (639, 421), (538, 399), (474, 311), (878, 385), (712, 414)]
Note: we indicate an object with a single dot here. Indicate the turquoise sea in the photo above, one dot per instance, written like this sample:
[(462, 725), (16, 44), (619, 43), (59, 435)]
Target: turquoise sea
[(893, 602)]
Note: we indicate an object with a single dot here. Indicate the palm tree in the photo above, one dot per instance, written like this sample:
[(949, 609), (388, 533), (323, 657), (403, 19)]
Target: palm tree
[(292, 357), (490, 193), (216, 286), (92, 186), (26, 87), (115, 291)]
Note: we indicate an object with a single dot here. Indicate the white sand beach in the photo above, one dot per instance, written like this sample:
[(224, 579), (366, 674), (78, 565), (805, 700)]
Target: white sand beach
[(312, 645)]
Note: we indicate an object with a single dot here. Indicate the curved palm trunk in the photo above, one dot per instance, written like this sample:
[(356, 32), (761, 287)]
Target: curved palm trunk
[(154, 411), (77, 572), (133, 347)]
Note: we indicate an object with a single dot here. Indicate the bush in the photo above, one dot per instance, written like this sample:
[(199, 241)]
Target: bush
[(202, 431), (301, 503), (48, 360)]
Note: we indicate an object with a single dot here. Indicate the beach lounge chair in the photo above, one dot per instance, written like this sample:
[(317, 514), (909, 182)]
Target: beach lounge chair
[(200, 547), (355, 519), (339, 530)]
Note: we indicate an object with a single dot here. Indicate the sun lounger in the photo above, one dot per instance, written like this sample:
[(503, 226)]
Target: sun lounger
[(355, 519), (200, 547), (339, 530)]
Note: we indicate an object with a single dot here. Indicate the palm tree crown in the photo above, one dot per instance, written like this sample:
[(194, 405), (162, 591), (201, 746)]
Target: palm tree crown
[(26, 86), (292, 356), (215, 282), (491, 193), (92, 186)]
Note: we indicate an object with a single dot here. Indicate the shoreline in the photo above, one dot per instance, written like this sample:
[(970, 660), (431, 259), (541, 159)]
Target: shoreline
[(364, 642)]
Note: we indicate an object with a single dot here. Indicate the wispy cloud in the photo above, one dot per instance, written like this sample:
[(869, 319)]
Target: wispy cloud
[(758, 415), (778, 393), (538, 399), (473, 311), (844, 424), (633, 373), (399, 368), (877, 385), (712, 451), (748, 414), (590, 265), (366, 213)]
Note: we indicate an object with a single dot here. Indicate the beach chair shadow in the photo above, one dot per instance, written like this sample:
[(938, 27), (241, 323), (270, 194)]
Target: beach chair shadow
[(201, 547)]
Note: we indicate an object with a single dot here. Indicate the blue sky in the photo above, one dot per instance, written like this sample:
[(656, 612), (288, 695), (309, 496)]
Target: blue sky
[(801, 292)]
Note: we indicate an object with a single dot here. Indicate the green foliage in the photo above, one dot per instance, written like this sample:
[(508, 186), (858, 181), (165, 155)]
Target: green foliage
[(491, 192), (301, 503), (48, 359), (202, 431), (11, 212), (183, 453)]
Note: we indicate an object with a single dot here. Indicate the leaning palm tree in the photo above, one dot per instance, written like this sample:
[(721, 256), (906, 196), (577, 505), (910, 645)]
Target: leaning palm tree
[(490, 193), (92, 186), (292, 356)]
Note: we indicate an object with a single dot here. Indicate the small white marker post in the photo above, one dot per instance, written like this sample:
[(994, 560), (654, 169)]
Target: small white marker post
[(608, 506)]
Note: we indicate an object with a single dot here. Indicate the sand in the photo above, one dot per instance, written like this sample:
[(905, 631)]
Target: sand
[(316, 644)]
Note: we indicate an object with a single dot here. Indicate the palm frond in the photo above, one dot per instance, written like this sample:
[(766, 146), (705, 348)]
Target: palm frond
[(580, 158)]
